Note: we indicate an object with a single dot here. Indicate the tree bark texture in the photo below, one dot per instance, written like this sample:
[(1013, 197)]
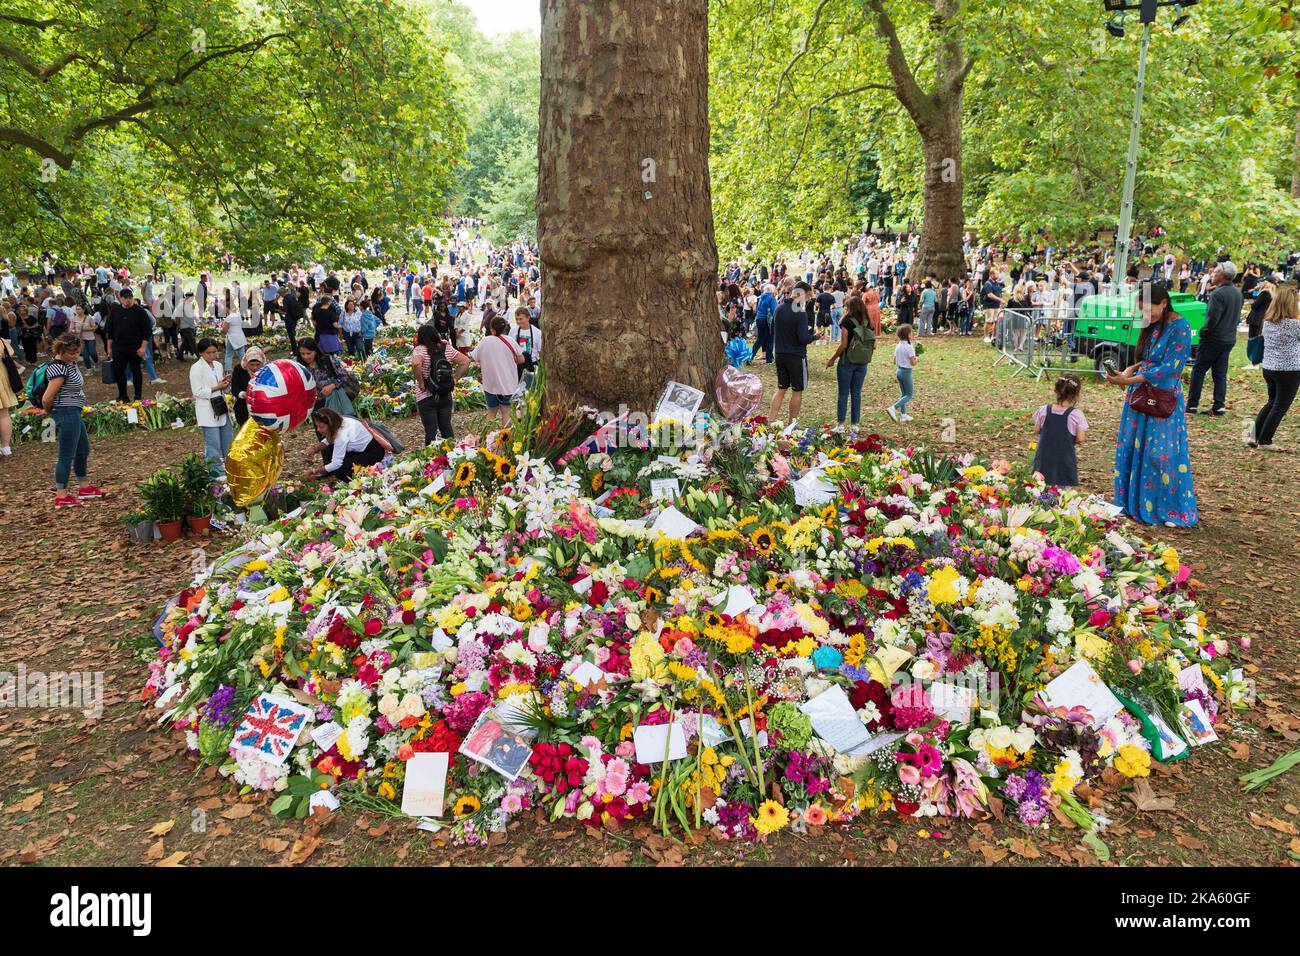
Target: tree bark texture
[(624, 214), (937, 114)]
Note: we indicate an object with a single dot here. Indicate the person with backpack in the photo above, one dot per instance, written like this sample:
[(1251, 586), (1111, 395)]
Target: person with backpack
[(857, 345), (435, 366), (59, 388)]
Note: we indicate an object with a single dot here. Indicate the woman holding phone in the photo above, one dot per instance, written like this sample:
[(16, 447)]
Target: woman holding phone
[(1153, 470)]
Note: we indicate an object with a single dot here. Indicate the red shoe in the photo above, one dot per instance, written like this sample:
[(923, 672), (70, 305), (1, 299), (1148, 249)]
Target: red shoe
[(87, 492), (66, 501)]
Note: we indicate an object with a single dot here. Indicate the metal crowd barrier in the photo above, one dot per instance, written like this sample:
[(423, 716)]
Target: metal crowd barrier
[(1037, 341)]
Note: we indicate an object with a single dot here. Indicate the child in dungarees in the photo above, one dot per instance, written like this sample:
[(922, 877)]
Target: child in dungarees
[(1060, 428)]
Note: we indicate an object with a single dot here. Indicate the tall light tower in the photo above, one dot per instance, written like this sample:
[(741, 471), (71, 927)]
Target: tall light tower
[(1115, 26)]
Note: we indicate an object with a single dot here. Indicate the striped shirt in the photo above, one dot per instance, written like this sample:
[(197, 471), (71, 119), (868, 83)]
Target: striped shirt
[(422, 355), (72, 394)]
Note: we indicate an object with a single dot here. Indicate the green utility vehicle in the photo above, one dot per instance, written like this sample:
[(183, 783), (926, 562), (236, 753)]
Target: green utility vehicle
[(1106, 326)]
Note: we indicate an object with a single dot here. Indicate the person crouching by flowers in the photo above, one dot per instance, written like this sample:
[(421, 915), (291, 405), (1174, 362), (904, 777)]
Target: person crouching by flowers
[(346, 444), (64, 400)]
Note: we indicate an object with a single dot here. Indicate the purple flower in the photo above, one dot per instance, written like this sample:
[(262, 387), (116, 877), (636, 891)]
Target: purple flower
[(217, 710)]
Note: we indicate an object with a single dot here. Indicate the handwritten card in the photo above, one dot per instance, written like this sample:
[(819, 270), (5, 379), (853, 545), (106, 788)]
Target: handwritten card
[(1191, 680), (835, 720), (133, 416), (664, 488), (952, 702), (651, 742), (1081, 686), (326, 735), (425, 785), (813, 488)]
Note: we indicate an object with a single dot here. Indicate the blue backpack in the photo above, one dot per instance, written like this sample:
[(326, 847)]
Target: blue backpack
[(37, 384)]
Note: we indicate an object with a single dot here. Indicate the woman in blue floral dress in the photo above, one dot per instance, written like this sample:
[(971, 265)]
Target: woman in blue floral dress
[(1153, 472)]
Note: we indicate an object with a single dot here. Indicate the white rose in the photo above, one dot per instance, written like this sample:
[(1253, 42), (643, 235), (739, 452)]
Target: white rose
[(1000, 737)]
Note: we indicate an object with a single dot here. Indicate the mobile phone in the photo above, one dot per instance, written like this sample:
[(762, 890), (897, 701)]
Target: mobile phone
[(1109, 366)]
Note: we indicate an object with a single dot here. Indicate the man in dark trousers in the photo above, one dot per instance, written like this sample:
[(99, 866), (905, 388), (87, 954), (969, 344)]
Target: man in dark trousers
[(1218, 336), (128, 329), (793, 335)]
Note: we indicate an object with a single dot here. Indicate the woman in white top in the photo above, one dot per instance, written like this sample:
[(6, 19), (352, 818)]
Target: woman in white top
[(208, 380), (346, 444), (233, 322)]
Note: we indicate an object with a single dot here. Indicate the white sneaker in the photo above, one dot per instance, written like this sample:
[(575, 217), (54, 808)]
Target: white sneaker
[(157, 381), (892, 412), (904, 418), (6, 451)]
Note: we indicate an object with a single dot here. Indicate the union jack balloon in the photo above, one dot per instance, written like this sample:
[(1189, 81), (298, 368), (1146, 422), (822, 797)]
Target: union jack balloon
[(281, 395)]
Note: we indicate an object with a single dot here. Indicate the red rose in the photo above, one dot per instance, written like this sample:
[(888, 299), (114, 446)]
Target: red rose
[(408, 617), (598, 594), (373, 626)]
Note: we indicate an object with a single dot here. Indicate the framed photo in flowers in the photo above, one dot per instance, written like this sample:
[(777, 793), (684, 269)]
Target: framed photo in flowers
[(497, 743)]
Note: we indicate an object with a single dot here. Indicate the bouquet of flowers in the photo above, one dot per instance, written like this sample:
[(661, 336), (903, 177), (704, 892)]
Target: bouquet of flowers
[(112, 418)]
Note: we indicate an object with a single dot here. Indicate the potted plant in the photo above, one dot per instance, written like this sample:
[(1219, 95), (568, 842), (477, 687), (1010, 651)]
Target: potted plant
[(198, 475), (164, 501), (140, 526)]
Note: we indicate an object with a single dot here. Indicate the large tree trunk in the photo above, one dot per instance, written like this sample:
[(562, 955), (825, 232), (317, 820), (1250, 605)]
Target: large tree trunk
[(937, 114), (624, 217), (939, 253)]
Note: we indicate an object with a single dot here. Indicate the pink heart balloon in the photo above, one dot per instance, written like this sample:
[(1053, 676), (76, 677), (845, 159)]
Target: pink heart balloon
[(739, 393)]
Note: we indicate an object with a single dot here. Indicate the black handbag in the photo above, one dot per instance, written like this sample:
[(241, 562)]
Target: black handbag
[(11, 369), (219, 406)]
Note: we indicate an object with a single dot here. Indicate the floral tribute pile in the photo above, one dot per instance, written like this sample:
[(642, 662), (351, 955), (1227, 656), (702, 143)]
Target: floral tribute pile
[(111, 418), (388, 389), (808, 627)]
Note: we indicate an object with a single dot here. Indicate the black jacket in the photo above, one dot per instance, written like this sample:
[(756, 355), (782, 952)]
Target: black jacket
[(1222, 313), (792, 335), (129, 328)]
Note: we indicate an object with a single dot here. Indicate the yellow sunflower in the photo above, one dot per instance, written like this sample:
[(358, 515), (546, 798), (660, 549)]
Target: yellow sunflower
[(465, 474), (763, 541), (466, 804), (505, 470)]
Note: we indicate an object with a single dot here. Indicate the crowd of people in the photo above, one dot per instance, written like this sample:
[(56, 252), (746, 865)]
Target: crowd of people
[(128, 325), (787, 303), (480, 305)]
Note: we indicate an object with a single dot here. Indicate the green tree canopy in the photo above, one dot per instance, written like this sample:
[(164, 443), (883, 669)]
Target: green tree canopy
[(279, 130)]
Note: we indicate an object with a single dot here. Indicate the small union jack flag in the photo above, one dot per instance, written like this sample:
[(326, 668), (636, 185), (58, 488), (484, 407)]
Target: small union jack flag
[(270, 727)]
